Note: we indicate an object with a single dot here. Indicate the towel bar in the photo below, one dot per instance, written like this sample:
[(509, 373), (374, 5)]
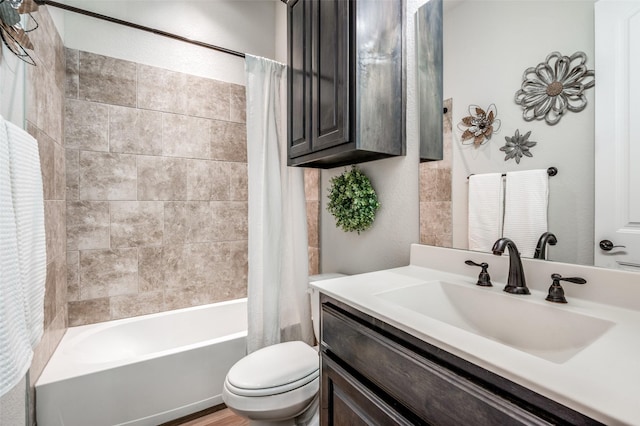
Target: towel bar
[(551, 171)]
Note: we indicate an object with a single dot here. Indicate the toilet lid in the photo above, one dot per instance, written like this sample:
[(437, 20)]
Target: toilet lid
[(274, 369)]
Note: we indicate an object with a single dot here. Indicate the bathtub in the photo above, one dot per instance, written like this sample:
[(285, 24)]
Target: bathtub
[(144, 370)]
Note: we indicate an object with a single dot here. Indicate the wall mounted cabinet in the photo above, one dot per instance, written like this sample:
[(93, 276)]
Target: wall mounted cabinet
[(346, 91)]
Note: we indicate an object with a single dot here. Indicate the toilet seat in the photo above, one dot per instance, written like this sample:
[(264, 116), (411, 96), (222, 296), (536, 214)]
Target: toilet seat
[(274, 370)]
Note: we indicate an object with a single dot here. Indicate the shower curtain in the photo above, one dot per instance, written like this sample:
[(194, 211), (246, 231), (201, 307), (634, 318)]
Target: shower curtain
[(278, 305)]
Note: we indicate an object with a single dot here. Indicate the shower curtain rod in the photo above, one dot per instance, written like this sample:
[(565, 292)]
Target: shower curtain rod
[(138, 27)]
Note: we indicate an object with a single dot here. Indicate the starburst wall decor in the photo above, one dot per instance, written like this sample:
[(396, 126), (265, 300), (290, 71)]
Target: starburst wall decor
[(517, 146)]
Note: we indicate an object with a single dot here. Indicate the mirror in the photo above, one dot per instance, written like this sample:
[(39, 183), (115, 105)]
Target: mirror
[(488, 44)]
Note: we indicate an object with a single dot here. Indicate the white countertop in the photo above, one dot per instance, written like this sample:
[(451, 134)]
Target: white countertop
[(601, 381)]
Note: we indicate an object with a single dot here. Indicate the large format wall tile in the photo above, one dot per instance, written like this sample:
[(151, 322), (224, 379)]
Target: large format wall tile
[(72, 72), (150, 269), (200, 219), (175, 261), (54, 225), (135, 131), (156, 189), (136, 304), (435, 191), (162, 178), (161, 90), (86, 125), (87, 225), (106, 176), (44, 111), (207, 98), (176, 223), (72, 169), (47, 164), (89, 311), (228, 141), (238, 107), (107, 80), (239, 181), (136, 223), (209, 264), (230, 221), (184, 136), (208, 180), (73, 276), (105, 273)]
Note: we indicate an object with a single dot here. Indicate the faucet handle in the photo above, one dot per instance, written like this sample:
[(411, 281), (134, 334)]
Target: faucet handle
[(556, 292), (484, 279)]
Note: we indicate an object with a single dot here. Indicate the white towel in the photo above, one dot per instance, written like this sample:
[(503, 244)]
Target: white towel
[(22, 253), (486, 201), (28, 204), (525, 213)]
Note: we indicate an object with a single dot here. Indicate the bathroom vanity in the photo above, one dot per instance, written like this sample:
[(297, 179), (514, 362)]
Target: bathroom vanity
[(373, 371), (420, 345)]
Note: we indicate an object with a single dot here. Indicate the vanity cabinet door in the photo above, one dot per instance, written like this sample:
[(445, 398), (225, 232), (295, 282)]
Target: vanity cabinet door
[(346, 401)]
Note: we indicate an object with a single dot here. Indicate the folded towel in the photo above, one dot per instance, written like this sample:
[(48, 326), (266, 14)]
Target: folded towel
[(15, 345), (525, 214), (486, 201), (28, 204)]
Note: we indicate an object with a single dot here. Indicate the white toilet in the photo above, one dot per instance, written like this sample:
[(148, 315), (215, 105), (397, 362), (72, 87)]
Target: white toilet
[(278, 385)]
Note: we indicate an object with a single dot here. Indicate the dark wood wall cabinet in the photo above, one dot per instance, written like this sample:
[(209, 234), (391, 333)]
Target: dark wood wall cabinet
[(346, 91), (373, 373)]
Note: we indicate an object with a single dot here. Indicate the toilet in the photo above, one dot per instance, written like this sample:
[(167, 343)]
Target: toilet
[(278, 385)]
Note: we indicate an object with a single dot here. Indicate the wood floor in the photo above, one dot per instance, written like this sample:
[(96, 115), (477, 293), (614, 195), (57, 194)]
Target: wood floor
[(223, 417), (214, 416)]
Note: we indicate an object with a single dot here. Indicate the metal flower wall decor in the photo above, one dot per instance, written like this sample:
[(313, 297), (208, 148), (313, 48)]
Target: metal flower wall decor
[(479, 125), (517, 146), (555, 86), (13, 34)]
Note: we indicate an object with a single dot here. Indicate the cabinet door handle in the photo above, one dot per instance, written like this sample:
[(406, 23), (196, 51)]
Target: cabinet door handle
[(607, 245)]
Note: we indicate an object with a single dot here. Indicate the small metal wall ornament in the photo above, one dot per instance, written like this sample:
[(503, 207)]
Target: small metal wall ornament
[(517, 146), (555, 86), (479, 125), (12, 32)]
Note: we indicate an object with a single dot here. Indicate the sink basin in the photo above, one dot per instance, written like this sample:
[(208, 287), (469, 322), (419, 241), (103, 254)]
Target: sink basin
[(539, 329)]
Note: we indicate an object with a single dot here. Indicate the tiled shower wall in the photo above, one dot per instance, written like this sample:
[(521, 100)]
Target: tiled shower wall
[(312, 195), (156, 189), (44, 114), (435, 191)]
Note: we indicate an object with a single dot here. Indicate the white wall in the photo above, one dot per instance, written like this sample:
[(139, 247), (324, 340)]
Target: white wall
[(487, 47), (245, 26), (12, 77), (386, 243)]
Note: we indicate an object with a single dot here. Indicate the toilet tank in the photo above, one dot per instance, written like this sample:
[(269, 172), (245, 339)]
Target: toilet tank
[(315, 300)]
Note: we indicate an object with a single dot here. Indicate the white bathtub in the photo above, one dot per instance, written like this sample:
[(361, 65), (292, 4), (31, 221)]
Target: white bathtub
[(144, 370)]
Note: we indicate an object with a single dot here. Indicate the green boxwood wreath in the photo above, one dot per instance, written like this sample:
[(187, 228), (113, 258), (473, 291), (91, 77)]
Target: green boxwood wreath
[(353, 201)]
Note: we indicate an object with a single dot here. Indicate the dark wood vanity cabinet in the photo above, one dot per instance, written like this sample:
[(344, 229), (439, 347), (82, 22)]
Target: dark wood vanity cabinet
[(345, 81), (373, 373)]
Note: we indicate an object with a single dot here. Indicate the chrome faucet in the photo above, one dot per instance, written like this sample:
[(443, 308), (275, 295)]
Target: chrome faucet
[(541, 248), (516, 284)]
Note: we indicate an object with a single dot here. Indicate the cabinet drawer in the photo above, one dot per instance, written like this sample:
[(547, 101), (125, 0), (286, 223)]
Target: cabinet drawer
[(434, 393)]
